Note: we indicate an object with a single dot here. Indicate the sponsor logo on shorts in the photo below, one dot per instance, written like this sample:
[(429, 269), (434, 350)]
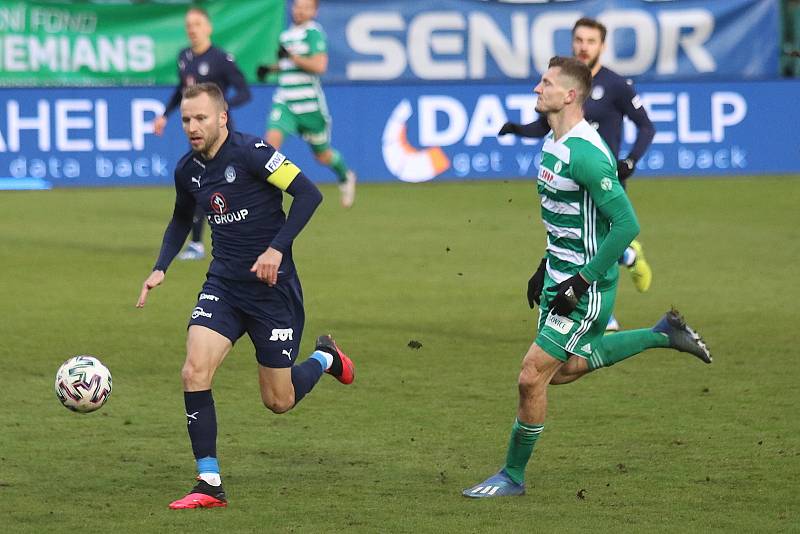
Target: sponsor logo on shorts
[(560, 324), (288, 353), (274, 162), (282, 334), (200, 312), (207, 296), (587, 348)]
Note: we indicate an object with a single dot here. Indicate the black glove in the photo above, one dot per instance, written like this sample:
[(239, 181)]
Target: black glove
[(568, 294), (508, 128), (282, 52), (625, 168), (536, 284), (262, 71)]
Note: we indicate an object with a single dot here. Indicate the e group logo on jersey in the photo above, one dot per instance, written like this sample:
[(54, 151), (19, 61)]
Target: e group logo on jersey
[(221, 214), (218, 203)]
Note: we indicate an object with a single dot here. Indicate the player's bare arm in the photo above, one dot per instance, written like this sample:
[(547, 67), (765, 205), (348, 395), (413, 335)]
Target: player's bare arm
[(316, 64)]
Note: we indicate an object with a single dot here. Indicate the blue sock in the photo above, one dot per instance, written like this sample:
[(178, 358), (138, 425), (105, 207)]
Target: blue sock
[(201, 421), (323, 358), (207, 465), (305, 376)]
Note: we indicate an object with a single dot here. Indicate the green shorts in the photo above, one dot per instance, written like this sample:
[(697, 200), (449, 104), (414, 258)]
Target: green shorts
[(576, 334), (314, 127)]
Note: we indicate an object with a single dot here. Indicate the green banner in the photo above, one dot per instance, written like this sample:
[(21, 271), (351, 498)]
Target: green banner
[(137, 43)]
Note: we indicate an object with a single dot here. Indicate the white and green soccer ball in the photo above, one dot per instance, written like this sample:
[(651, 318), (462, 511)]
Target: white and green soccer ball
[(83, 384)]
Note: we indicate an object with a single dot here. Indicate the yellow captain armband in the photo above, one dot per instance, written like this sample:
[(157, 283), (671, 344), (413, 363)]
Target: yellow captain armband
[(283, 175)]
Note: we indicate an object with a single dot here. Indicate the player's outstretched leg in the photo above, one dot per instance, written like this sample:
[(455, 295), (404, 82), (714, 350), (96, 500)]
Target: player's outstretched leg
[(681, 336), (203, 495), (641, 273), (497, 485), (341, 367)]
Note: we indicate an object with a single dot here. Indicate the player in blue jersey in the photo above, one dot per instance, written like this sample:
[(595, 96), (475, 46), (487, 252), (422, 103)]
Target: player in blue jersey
[(203, 62), (252, 285), (612, 98)]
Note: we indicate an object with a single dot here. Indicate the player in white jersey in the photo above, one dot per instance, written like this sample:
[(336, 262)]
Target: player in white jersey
[(589, 222)]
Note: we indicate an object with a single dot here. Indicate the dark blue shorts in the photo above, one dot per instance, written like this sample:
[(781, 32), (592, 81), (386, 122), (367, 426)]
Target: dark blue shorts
[(273, 317)]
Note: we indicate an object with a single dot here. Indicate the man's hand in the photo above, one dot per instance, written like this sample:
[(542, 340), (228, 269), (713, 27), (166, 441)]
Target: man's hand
[(155, 279), (625, 168), (266, 266), (159, 124), (508, 128), (263, 70), (282, 52), (568, 294), (536, 284)]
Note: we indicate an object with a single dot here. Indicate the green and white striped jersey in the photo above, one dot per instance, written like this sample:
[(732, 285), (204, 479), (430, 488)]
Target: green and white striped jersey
[(300, 90), (577, 174)]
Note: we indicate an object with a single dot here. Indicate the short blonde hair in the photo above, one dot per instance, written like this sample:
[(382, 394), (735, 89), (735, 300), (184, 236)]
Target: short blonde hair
[(211, 89)]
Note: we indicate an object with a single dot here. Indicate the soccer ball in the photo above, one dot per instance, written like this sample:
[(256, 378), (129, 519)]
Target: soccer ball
[(83, 384)]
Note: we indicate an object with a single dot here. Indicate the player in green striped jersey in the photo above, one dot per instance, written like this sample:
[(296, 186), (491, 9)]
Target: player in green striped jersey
[(589, 222), (298, 105)]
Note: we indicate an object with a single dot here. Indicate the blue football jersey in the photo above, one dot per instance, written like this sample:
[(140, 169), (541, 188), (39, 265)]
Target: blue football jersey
[(214, 66), (241, 192)]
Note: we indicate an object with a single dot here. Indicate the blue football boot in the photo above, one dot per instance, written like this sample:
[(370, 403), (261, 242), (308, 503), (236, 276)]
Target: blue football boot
[(497, 485), (681, 336)]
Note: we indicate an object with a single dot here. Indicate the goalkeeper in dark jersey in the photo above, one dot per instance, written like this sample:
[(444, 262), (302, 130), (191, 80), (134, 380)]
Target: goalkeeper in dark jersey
[(612, 98), (252, 285)]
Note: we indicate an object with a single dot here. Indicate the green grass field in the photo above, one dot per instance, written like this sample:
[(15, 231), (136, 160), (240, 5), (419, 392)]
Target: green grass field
[(657, 443)]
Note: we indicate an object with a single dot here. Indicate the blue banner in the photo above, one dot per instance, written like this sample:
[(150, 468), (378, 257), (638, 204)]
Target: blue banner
[(104, 137), (494, 41)]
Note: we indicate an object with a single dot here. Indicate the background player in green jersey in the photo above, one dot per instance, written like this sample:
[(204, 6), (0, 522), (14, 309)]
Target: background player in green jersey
[(298, 105), (589, 222)]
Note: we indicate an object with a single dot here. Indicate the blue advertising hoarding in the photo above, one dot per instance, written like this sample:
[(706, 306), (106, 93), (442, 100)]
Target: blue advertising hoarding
[(104, 137), (395, 41)]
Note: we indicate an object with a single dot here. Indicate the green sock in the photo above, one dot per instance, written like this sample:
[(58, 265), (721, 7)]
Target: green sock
[(520, 449), (338, 165), (614, 348)]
